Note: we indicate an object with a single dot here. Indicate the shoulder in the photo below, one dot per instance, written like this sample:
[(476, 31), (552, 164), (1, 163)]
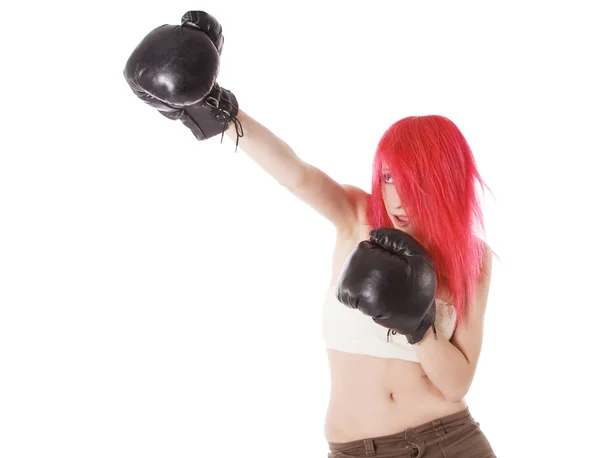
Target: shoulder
[(478, 304), (486, 263), (354, 192)]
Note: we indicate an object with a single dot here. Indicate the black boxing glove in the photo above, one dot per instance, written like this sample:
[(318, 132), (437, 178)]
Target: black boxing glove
[(174, 69), (391, 278), (207, 24)]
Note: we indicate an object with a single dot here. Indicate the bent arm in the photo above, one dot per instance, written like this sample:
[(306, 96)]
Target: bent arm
[(451, 365), (445, 365), (332, 200)]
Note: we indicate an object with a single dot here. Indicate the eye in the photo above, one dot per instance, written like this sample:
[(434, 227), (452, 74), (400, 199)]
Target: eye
[(387, 177)]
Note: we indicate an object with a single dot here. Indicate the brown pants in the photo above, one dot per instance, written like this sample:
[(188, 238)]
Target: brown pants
[(453, 436)]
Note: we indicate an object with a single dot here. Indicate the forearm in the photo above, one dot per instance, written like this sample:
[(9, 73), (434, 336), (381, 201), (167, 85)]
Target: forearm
[(268, 151), (444, 365)]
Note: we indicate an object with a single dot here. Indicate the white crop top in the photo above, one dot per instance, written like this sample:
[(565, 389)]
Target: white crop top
[(351, 331)]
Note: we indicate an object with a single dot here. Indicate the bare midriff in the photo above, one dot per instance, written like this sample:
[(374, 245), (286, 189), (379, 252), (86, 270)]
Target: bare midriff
[(373, 397)]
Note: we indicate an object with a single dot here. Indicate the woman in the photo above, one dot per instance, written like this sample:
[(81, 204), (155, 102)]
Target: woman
[(393, 394), (413, 394)]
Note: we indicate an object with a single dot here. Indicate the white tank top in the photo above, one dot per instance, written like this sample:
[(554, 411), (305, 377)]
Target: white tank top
[(351, 331)]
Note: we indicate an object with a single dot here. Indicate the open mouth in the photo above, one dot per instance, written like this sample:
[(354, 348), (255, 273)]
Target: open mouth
[(401, 220)]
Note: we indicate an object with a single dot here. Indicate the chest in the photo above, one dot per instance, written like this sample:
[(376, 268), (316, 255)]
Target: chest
[(344, 246)]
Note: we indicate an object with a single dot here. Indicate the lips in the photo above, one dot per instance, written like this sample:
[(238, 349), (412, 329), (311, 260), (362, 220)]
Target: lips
[(401, 220)]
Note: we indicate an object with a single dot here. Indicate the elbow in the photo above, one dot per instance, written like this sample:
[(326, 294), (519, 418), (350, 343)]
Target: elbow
[(296, 177), (457, 391), (455, 396)]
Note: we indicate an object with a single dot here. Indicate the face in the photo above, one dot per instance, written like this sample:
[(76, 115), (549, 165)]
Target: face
[(393, 204)]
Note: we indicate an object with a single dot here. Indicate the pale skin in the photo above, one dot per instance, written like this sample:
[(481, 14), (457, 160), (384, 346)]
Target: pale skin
[(373, 396)]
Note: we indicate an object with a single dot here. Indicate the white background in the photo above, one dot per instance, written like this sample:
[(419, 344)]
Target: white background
[(160, 297)]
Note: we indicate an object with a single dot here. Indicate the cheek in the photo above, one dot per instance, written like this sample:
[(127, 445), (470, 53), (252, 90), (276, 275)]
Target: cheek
[(385, 194), (390, 197)]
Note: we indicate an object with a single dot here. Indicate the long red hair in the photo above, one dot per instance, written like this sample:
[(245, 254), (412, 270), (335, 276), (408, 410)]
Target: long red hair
[(435, 176)]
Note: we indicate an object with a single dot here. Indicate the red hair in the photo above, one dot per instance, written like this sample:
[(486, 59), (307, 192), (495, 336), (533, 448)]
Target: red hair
[(435, 176)]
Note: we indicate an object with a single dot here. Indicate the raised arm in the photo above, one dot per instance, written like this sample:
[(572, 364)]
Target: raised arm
[(174, 69), (338, 203)]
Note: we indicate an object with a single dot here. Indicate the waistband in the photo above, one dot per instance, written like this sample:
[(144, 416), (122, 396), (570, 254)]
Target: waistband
[(435, 427)]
